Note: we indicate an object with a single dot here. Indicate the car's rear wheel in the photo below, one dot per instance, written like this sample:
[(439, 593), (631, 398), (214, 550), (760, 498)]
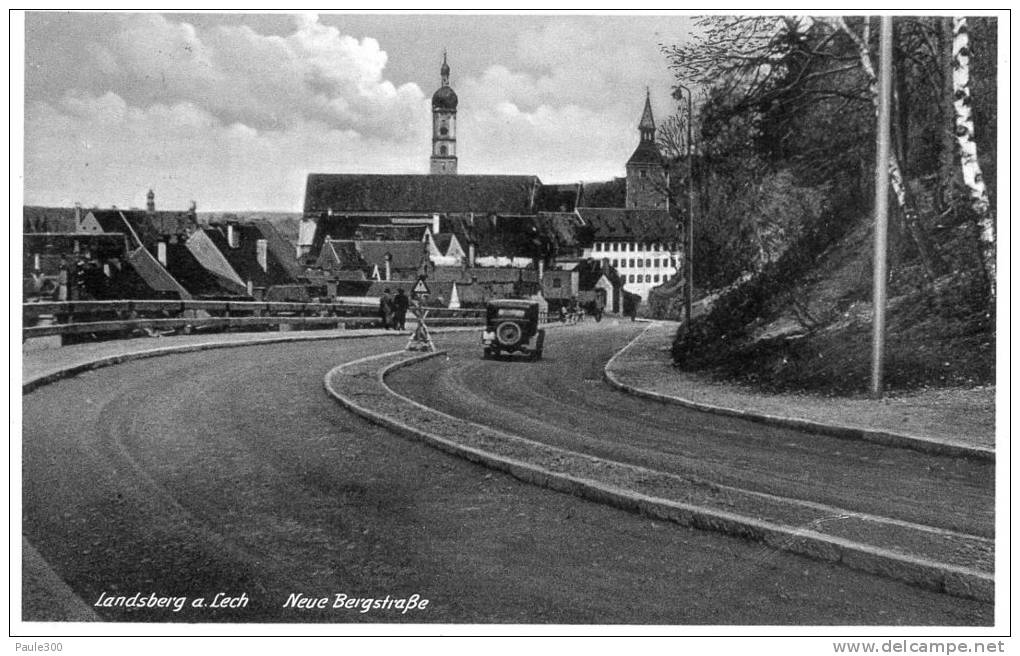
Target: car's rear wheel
[(508, 333)]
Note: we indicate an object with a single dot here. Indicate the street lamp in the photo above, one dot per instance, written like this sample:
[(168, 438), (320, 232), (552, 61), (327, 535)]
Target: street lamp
[(689, 228)]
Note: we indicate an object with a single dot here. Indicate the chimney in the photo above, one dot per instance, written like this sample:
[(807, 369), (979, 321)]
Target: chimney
[(435, 224), (77, 217), (389, 258), (161, 252), (232, 236), (541, 269), (471, 255), (150, 202), (262, 253)]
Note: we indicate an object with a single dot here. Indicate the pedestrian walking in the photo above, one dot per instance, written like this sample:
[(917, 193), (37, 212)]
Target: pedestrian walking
[(386, 309), (400, 304)]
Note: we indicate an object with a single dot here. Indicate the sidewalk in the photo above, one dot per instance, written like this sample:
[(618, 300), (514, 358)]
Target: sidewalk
[(949, 418), (42, 365)]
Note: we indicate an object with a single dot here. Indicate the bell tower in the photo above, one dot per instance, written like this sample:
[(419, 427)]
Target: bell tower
[(645, 175), (444, 126)]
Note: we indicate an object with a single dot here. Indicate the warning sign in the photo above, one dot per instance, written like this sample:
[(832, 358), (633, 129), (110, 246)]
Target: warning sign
[(420, 288)]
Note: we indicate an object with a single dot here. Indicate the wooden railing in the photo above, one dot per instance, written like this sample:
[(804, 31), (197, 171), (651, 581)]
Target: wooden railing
[(98, 317)]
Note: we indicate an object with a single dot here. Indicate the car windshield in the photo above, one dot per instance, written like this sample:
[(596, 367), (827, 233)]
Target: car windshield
[(510, 312)]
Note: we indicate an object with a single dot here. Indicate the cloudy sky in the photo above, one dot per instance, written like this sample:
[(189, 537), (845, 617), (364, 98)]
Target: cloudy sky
[(235, 110)]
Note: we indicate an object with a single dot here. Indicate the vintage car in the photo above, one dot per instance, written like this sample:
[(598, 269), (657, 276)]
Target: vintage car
[(510, 326)]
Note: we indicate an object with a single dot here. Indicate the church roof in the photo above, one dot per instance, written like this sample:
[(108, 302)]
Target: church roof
[(480, 194), (646, 153), (647, 122)]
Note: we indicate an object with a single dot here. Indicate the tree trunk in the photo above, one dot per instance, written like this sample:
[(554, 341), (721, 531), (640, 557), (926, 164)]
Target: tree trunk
[(969, 164), (897, 182), (948, 170)]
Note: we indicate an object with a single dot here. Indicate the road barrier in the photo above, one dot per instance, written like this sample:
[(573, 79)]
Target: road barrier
[(108, 318)]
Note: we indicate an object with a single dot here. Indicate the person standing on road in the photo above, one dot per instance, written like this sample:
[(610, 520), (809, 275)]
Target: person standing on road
[(386, 309), (400, 304)]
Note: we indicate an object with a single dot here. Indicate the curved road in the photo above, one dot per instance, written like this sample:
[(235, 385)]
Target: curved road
[(564, 401), (230, 471)]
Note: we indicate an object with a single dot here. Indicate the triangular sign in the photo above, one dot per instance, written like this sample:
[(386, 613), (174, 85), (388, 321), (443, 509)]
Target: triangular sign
[(420, 287)]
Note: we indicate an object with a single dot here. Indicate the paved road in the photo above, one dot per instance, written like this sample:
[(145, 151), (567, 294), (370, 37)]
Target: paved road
[(563, 401), (231, 471)]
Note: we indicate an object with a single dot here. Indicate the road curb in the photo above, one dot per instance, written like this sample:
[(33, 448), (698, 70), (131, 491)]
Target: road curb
[(957, 581), (922, 444)]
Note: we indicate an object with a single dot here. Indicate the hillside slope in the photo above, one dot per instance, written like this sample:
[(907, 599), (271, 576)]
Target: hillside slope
[(812, 332)]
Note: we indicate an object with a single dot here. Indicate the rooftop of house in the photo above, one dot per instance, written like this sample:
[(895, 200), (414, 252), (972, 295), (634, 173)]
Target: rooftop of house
[(627, 224), (483, 194)]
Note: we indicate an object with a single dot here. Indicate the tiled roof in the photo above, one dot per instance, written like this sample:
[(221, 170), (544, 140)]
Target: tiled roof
[(199, 281), (244, 258), (590, 270), (282, 250), (49, 219), (631, 225), (484, 194), (404, 254), (341, 254), (158, 278), (646, 153), (558, 198), (388, 232), (483, 275), (442, 241), (508, 236)]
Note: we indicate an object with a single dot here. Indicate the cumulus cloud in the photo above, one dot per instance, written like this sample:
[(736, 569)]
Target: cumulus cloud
[(236, 118), (265, 81), (568, 107)]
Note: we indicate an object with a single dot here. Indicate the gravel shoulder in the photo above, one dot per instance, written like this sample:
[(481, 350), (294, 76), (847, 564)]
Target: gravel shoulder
[(961, 416)]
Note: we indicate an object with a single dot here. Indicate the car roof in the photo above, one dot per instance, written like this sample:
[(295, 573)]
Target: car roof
[(511, 303)]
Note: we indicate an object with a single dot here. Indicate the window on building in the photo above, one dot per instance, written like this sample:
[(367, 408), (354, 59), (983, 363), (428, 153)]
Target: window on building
[(598, 246), (615, 246), (631, 262), (631, 277), (648, 263), (616, 263), (672, 262), (557, 283), (641, 277)]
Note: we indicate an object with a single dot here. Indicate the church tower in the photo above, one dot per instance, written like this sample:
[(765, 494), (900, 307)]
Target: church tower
[(444, 126), (645, 177)]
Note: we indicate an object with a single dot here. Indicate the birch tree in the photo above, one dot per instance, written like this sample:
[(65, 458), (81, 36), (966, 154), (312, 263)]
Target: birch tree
[(896, 179), (967, 148)]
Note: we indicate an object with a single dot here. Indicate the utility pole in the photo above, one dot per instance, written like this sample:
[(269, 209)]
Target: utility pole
[(881, 207), (689, 227)]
